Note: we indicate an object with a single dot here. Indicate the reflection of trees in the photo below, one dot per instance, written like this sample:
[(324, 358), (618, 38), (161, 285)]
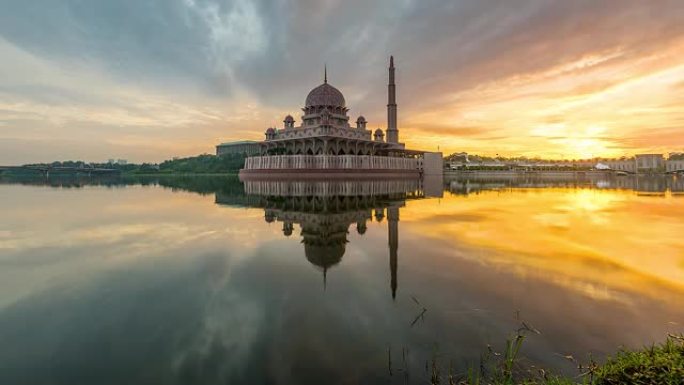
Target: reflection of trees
[(458, 184), (63, 181), (202, 184), (196, 184)]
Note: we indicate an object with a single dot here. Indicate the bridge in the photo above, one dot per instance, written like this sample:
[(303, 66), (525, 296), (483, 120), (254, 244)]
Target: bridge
[(46, 170)]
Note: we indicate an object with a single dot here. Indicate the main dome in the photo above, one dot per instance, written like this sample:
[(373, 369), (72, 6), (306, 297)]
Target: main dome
[(325, 95)]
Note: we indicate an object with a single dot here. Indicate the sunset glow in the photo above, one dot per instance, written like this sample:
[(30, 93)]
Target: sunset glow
[(565, 232), (341, 191), (556, 80)]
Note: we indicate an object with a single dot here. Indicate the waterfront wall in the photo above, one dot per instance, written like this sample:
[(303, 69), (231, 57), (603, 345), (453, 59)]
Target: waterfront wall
[(332, 162), (433, 163)]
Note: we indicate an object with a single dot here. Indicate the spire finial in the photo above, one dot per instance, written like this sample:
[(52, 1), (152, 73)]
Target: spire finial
[(325, 73), (391, 61)]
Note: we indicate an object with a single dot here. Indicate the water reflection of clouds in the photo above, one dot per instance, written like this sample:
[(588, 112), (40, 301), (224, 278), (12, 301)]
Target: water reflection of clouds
[(568, 233), (163, 317), (134, 236), (217, 294), (77, 237)]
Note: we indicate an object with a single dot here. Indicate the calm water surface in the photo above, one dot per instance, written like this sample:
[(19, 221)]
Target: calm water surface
[(200, 280)]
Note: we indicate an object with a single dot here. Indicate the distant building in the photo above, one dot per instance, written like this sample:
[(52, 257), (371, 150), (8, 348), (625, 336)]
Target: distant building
[(649, 163), (458, 160), (646, 163), (626, 164), (244, 147), (676, 165), (638, 164)]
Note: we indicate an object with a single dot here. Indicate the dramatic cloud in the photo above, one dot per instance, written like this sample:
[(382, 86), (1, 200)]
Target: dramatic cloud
[(149, 79)]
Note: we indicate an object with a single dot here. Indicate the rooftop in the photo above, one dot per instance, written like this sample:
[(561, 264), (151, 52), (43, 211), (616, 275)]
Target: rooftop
[(238, 142)]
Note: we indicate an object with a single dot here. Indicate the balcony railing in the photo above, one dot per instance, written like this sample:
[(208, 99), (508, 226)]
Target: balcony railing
[(327, 162)]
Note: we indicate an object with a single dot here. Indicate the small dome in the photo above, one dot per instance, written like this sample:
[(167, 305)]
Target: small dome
[(379, 132), (287, 228), (325, 95), (361, 119), (269, 217), (270, 130), (289, 118)]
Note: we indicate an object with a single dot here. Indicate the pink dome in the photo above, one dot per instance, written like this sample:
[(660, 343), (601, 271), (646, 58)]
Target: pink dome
[(325, 95)]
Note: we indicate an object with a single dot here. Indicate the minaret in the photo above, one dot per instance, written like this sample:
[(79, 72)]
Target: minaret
[(392, 131), (393, 235)]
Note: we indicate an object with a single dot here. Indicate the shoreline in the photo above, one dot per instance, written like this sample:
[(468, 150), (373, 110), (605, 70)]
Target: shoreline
[(176, 174), (552, 173), (118, 175)]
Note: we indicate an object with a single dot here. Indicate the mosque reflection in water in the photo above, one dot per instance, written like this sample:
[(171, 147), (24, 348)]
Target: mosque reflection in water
[(325, 211)]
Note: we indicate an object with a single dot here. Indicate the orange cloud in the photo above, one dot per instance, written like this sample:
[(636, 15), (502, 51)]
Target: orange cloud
[(603, 104)]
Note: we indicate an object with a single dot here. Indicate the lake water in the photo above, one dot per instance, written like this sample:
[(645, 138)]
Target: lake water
[(208, 280)]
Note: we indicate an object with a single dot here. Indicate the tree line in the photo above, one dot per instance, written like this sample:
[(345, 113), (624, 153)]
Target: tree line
[(201, 164)]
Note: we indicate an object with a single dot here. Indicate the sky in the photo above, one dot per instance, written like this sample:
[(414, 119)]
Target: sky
[(147, 80)]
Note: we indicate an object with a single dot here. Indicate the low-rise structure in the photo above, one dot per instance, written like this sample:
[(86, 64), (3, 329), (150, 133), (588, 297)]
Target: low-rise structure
[(646, 164), (624, 164), (242, 147), (676, 165), (638, 164), (649, 163)]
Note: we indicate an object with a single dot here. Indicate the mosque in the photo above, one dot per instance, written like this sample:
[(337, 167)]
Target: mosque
[(325, 142)]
